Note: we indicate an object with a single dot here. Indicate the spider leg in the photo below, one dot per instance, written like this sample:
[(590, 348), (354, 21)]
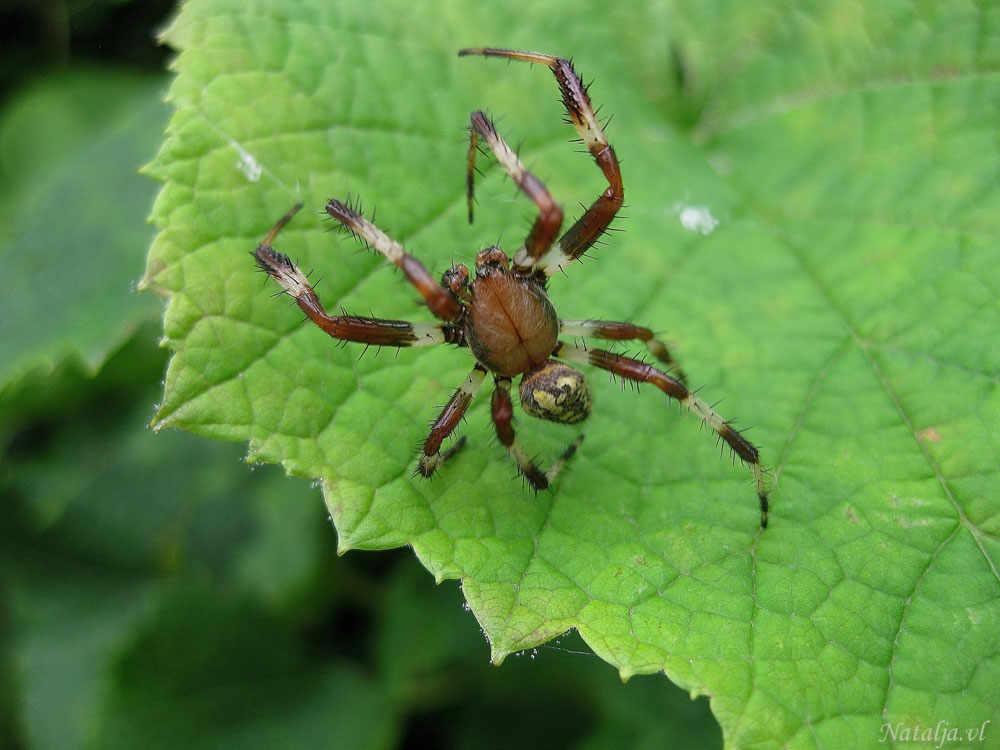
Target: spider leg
[(448, 420), (639, 372), (503, 420), (614, 331), (372, 331), (442, 302), (596, 219), (546, 227)]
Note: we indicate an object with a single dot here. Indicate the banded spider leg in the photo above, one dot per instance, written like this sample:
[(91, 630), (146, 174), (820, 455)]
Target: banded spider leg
[(378, 331), (640, 372), (502, 409), (538, 252), (611, 330), (372, 331)]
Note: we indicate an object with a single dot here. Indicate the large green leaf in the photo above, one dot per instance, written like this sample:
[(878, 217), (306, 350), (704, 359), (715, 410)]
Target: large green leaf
[(813, 217)]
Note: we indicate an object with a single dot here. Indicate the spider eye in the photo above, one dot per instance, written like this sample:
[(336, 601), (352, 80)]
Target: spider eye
[(556, 392)]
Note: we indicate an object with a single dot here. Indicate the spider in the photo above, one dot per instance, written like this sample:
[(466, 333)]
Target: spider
[(502, 312)]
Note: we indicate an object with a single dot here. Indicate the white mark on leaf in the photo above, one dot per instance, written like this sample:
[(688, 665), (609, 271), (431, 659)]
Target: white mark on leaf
[(696, 218), (247, 163)]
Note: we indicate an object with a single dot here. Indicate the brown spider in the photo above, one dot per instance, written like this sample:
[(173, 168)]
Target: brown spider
[(503, 314)]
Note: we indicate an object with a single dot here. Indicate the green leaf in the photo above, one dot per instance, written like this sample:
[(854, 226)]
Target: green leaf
[(68, 618), (556, 695), (243, 681), (839, 292), (74, 209), (98, 515)]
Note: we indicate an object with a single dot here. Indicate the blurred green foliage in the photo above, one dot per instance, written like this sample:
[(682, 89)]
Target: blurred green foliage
[(154, 591)]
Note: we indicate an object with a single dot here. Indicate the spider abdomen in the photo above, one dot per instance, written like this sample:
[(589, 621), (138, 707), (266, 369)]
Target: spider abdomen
[(556, 392), (511, 324)]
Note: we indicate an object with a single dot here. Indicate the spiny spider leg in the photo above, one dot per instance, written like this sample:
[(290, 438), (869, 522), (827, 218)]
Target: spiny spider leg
[(550, 215), (372, 331), (449, 418), (503, 420), (639, 372), (279, 225), (596, 219), (611, 330), (442, 302)]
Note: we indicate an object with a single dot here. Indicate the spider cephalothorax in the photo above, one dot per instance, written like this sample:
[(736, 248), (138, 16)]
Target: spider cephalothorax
[(502, 312), (510, 324)]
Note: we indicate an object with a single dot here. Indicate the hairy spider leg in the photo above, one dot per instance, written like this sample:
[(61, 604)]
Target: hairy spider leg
[(372, 331), (449, 419), (611, 330), (503, 420), (639, 372), (280, 224), (595, 220), (442, 302), (550, 215)]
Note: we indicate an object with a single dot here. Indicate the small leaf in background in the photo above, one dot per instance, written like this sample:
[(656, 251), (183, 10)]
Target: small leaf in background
[(243, 681), (72, 208), (100, 518)]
